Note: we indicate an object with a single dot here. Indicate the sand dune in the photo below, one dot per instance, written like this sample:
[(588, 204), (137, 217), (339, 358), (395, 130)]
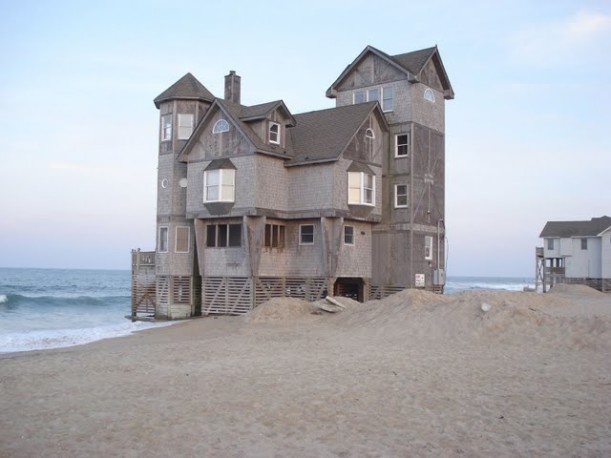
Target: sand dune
[(415, 374)]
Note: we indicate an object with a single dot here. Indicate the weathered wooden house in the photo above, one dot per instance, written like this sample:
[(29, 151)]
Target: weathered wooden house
[(256, 202), (577, 252)]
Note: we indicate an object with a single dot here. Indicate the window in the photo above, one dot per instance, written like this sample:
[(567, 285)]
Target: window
[(429, 95), (387, 104), (220, 126), (306, 234), (361, 188), (371, 95), (358, 97), (275, 235), (274, 133), (584, 244), (370, 134), (223, 235), (348, 235), (401, 200), (402, 145), (219, 185), (166, 127), (185, 126), (183, 242), (428, 247), (550, 244), (162, 243)]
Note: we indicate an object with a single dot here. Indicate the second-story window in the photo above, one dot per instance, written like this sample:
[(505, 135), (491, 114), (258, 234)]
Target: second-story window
[(274, 133), (361, 188), (166, 127), (219, 185), (402, 145), (306, 234), (348, 235), (185, 125), (401, 196)]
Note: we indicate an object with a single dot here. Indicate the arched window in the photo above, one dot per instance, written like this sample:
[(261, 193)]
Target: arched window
[(369, 134), (429, 95), (220, 126)]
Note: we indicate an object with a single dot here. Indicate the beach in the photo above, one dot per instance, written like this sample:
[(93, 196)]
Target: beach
[(477, 373)]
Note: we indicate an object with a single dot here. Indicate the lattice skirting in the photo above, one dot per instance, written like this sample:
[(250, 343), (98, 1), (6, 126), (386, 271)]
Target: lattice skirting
[(238, 295)]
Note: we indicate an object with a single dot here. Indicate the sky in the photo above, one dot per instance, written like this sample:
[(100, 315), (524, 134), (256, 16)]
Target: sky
[(527, 136)]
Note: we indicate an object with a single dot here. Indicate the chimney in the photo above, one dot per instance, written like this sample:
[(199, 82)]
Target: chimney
[(232, 87)]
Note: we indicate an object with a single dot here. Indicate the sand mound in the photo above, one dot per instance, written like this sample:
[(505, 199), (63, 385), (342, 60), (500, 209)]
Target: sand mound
[(281, 309), (479, 317), (563, 288)]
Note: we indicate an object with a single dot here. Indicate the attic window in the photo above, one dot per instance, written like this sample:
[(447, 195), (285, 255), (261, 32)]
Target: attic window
[(274, 133), (369, 134), (220, 126), (429, 95)]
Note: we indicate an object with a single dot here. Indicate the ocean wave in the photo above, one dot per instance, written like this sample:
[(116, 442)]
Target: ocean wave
[(60, 338), (15, 300)]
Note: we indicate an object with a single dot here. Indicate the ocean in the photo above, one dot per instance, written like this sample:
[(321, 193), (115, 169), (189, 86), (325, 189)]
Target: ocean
[(52, 308)]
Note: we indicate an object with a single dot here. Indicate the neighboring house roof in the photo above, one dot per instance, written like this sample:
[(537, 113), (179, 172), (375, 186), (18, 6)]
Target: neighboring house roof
[(187, 87), (566, 229), (411, 63), (322, 136)]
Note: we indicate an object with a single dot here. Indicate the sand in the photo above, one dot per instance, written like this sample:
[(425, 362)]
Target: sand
[(416, 374)]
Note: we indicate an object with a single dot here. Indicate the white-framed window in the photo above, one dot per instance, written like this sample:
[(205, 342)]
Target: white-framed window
[(387, 104), (162, 242), (373, 94), (306, 234), (223, 235), (348, 235), (402, 145), (183, 239), (428, 247), (185, 125), (220, 126), (401, 196), (429, 95), (550, 244), (274, 133), (166, 127), (219, 185), (361, 188), (275, 235)]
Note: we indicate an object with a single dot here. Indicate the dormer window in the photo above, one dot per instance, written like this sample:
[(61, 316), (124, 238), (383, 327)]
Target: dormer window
[(274, 133), (166, 127), (220, 126)]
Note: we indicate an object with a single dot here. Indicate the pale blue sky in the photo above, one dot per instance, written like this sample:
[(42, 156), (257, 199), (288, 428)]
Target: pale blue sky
[(527, 137)]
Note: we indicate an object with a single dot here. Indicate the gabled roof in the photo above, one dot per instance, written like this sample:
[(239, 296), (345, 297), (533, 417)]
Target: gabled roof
[(234, 113), (187, 87), (261, 111), (565, 229), (322, 136), (411, 63)]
